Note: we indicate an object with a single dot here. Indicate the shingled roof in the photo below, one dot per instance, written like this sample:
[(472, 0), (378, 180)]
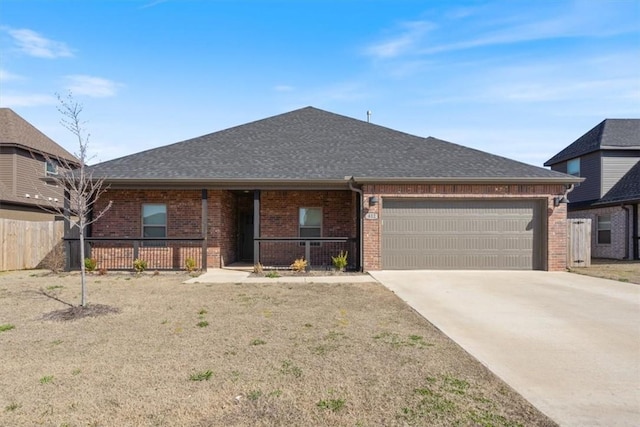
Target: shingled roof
[(616, 134), (17, 131), (625, 190), (315, 145)]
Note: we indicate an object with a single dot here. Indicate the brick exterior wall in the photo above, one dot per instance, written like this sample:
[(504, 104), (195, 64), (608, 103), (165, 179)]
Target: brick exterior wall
[(556, 232), (621, 224), (279, 211)]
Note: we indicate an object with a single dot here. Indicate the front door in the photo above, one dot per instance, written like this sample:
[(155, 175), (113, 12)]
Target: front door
[(246, 236)]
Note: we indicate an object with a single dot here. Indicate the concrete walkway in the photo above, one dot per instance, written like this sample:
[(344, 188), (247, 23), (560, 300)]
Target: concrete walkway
[(223, 275), (570, 344)]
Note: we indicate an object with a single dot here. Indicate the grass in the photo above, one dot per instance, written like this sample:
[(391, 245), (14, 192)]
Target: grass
[(279, 354), (6, 327), (622, 271), (201, 376)]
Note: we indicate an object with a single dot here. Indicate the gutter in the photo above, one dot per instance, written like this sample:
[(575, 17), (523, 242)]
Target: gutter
[(351, 181)]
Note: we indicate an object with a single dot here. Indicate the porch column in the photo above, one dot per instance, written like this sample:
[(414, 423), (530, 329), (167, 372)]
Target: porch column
[(205, 214), (256, 226)]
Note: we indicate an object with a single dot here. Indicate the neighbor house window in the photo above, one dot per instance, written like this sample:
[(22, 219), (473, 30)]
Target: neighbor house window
[(310, 223), (604, 229), (154, 220), (573, 167), (51, 167)]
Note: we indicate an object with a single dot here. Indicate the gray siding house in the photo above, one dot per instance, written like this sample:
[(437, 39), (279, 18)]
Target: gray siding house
[(608, 157)]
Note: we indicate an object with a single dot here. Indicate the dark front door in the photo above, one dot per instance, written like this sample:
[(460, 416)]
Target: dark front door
[(246, 236)]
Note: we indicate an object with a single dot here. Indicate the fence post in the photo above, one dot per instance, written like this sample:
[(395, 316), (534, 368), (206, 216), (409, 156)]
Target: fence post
[(136, 246), (307, 253)]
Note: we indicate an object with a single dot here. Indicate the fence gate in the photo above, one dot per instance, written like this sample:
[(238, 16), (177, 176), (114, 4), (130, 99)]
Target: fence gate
[(578, 242)]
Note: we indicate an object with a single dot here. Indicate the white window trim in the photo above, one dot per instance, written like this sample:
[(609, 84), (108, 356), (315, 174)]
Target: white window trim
[(166, 219), (302, 226), (576, 160), (598, 229)]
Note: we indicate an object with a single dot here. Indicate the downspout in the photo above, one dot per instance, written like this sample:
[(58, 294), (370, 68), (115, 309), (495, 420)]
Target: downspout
[(360, 222), (627, 229), (636, 238)]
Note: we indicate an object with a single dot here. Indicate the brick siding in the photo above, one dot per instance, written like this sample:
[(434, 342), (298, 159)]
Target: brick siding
[(621, 224)]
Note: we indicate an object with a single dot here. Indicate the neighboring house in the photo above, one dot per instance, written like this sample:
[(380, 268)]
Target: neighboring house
[(27, 157), (312, 183), (608, 157)]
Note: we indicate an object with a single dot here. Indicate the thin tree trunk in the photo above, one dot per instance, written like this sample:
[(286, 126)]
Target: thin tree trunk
[(83, 279)]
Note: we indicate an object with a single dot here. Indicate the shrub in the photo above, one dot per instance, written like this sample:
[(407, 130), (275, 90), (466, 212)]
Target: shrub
[(272, 274), (190, 264), (90, 264), (340, 261), (258, 269), (139, 265), (299, 265)]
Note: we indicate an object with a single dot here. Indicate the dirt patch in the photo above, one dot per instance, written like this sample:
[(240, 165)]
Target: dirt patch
[(79, 312), (238, 355), (623, 271)]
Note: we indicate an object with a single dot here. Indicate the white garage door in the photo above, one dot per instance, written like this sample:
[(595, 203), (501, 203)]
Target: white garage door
[(462, 234)]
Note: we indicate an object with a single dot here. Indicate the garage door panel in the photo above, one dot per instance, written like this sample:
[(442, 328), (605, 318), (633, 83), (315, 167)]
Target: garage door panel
[(461, 234)]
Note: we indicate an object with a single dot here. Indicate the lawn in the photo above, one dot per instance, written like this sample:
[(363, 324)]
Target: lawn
[(235, 354), (623, 271)]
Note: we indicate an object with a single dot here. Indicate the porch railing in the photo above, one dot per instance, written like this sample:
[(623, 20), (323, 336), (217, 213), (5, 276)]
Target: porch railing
[(280, 252), (117, 253)]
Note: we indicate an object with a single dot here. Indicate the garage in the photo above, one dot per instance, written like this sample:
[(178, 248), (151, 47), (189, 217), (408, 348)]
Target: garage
[(462, 234)]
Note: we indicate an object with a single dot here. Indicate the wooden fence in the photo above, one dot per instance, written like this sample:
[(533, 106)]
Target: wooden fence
[(25, 244), (578, 242)]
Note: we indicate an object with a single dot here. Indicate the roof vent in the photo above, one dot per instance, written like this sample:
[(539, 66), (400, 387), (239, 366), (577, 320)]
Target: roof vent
[(368, 116), (27, 195)]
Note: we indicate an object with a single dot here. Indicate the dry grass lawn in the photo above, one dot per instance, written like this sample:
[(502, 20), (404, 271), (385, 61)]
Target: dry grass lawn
[(623, 271), (233, 355)]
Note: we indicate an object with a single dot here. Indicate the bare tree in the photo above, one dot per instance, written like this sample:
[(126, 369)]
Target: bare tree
[(81, 189)]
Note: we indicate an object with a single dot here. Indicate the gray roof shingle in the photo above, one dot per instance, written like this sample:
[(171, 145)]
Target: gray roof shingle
[(312, 144), (610, 133), (625, 190)]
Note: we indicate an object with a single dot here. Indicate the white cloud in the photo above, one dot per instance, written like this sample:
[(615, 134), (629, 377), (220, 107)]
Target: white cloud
[(34, 44), (27, 100), (6, 76), (96, 87), (408, 39)]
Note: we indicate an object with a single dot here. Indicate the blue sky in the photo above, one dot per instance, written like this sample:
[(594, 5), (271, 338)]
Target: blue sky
[(521, 79)]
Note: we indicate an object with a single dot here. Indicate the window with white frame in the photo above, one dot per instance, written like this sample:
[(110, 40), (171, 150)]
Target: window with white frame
[(310, 223), (50, 167), (154, 220), (573, 167), (604, 229)]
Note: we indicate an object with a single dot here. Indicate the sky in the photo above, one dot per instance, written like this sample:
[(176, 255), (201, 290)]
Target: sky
[(521, 79)]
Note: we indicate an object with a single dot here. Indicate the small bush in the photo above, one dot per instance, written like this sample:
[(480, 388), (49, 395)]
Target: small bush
[(340, 261), (90, 264), (139, 265), (190, 264), (299, 265), (258, 269), (272, 275)]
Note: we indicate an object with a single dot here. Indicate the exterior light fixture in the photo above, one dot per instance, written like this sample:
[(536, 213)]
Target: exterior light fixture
[(373, 200), (560, 199)]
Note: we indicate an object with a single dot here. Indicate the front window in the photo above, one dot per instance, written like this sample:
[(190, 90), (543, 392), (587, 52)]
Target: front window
[(604, 229), (573, 167), (51, 167), (310, 223), (154, 220)]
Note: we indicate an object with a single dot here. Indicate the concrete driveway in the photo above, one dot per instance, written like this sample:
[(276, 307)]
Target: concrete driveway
[(569, 344)]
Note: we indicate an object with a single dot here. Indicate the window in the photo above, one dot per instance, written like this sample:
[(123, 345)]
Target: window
[(310, 224), (573, 167), (604, 229), (154, 221), (51, 167)]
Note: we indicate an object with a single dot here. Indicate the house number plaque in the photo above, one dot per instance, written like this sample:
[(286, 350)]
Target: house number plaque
[(371, 215)]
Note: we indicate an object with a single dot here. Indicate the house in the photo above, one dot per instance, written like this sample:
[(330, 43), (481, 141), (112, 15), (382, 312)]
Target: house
[(608, 157), (310, 183), (27, 157)]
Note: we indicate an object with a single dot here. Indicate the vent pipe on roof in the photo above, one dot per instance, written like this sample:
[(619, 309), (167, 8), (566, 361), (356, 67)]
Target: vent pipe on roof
[(368, 116)]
